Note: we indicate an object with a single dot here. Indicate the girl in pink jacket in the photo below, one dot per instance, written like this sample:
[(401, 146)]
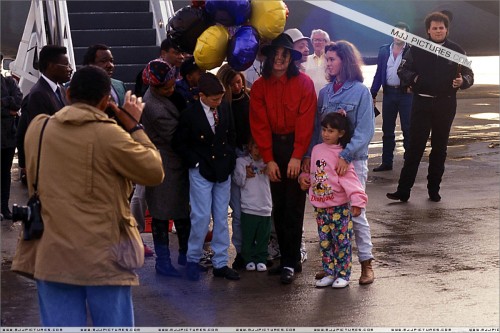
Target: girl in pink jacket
[(334, 199)]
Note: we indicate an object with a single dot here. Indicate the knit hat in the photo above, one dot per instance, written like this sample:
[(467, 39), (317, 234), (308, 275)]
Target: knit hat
[(158, 72)]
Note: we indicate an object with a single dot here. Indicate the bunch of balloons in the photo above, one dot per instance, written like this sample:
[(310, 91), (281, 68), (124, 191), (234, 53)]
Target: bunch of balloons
[(214, 30)]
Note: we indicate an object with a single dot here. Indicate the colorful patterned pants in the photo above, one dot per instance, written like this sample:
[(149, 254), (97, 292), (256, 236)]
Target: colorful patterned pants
[(335, 234)]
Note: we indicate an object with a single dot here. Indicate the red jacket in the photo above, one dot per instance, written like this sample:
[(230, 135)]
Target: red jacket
[(282, 106)]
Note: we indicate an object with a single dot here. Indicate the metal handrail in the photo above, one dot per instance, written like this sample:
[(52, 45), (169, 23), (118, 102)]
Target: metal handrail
[(162, 11), (47, 22)]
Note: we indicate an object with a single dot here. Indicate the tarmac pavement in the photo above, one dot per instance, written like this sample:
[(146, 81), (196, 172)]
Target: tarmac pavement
[(437, 264)]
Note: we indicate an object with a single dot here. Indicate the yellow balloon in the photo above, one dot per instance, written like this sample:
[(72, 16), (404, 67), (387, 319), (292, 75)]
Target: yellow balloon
[(211, 47), (268, 17)]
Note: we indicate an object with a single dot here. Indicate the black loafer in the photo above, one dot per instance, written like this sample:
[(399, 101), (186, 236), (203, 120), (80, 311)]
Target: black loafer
[(226, 272), (398, 196), (275, 270), (239, 262), (193, 271), (434, 196), (287, 276), (383, 167), (167, 270)]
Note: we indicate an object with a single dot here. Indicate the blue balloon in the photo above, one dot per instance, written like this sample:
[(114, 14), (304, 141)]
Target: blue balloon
[(243, 48), (228, 12)]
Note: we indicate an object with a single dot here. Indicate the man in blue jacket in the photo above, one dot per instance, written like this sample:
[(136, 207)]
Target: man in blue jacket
[(397, 99)]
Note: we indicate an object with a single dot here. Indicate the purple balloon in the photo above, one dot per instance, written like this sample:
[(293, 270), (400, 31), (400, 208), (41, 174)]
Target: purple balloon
[(243, 48), (187, 24), (228, 12)]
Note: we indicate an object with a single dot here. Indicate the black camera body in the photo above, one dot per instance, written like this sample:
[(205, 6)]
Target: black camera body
[(31, 216)]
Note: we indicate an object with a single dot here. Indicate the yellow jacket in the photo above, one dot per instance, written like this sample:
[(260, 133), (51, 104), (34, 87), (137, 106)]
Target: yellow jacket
[(87, 167)]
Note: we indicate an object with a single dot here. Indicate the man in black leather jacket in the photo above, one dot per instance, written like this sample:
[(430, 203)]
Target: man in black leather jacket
[(434, 80)]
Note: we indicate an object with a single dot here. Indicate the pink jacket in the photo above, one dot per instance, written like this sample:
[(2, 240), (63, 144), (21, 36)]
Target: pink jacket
[(327, 188)]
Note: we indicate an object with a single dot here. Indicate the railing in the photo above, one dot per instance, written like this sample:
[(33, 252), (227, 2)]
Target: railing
[(162, 11), (47, 23)]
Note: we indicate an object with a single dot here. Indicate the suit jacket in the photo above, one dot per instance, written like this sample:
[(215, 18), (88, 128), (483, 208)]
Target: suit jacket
[(43, 100), (195, 142), (120, 89), (380, 78)]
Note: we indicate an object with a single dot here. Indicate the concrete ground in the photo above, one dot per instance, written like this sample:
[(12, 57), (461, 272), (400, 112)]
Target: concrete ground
[(437, 264)]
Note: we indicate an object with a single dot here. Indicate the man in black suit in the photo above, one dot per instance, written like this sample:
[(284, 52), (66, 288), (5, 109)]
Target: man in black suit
[(47, 95), (205, 140)]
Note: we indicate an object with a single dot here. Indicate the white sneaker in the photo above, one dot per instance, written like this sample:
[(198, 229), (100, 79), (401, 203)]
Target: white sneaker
[(326, 281), (340, 283), (250, 266), (261, 267)]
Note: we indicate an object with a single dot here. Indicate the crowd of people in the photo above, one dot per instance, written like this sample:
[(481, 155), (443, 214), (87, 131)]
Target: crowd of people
[(189, 144)]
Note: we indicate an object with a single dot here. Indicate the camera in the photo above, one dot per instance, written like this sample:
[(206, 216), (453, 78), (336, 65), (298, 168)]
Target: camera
[(31, 217)]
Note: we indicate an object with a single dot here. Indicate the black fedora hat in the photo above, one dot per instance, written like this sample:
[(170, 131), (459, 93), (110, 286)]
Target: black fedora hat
[(285, 41)]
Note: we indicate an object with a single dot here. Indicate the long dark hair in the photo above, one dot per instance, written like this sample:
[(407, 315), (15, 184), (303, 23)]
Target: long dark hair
[(267, 69), (351, 61), (340, 122)]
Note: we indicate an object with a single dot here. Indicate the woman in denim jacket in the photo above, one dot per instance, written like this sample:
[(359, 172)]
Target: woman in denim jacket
[(346, 93)]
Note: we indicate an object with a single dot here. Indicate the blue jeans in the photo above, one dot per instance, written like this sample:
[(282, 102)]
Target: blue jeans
[(394, 102), (362, 233), (207, 197), (65, 305)]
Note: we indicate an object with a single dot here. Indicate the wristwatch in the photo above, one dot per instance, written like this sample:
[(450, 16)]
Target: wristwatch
[(137, 127)]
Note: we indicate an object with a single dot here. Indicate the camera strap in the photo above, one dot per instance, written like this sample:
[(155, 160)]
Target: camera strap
[(35, 185)]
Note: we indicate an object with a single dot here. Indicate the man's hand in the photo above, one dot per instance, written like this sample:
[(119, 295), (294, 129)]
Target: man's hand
[(341, 167), (305, 182), (134, 106), (293, 169), (306, 165), (355, 211), (273, 171), (457, 83)]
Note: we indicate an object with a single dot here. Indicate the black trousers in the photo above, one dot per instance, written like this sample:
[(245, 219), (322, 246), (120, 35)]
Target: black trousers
[(7, 158), (430, 116), (288, 204)]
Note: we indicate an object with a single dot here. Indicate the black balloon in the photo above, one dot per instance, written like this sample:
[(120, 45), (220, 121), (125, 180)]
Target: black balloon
[(186, 26), (243, 48)]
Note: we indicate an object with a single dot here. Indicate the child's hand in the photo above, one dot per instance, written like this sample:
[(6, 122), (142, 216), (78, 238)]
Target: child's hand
[(305, 182), (250, 172), (355, 211)]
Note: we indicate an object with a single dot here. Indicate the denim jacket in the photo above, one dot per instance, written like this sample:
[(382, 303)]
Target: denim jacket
[(355, 98)]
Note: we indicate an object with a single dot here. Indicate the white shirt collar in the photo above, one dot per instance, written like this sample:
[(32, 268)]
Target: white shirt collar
[(51, 83)]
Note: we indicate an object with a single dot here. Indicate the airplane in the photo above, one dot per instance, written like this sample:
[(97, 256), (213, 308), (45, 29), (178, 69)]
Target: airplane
[(474, 24)]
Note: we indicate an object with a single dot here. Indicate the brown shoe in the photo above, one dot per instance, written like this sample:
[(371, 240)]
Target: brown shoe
[(367, 275), (321, 274)]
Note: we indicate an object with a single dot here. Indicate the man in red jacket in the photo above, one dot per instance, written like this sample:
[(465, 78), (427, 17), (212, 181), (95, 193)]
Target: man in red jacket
[(282, 109)]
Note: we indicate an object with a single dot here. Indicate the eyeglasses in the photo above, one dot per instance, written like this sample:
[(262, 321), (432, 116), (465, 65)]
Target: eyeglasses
[(67, 66), (318, 40)]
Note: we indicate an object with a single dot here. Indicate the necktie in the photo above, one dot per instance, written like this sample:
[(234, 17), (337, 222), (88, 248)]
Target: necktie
[(59, 97), (216, 116)]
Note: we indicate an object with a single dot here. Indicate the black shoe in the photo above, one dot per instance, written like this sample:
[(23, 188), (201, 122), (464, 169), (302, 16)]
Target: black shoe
[(192, 271), (382, 167), (238, 263), (287, 276), (7, 215), (298, 267), (275, 271), (181, 259), (398, 196), (434, 196), (167, 270), (227, 273)]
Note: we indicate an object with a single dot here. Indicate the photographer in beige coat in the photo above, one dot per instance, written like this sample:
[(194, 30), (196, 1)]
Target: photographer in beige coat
[(87, 167)]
